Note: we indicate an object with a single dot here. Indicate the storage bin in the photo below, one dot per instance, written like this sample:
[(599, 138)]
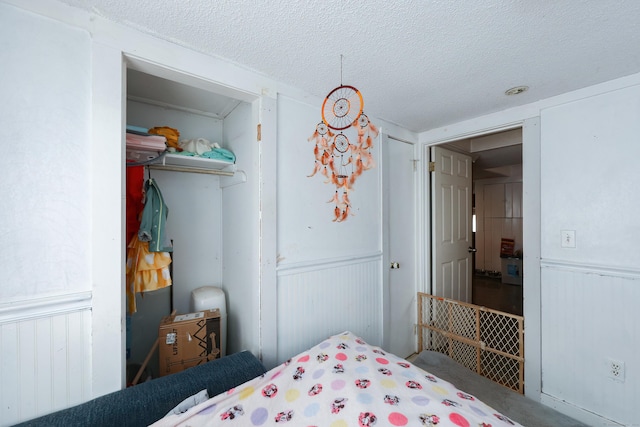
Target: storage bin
[(511, 271)]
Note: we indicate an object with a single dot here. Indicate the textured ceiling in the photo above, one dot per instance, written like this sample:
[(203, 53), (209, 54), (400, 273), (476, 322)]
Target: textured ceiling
[(419, 64)]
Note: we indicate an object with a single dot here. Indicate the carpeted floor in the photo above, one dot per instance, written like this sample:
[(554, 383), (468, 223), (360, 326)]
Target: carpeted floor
[(516, 406)]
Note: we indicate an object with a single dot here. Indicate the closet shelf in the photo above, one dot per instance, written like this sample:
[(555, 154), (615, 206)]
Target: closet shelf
[(179, 163)]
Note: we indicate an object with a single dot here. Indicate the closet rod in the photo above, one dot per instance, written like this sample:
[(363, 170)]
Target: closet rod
[(191, 170)]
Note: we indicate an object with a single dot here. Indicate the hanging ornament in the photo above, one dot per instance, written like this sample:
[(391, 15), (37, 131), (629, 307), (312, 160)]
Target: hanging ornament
[(342, 160)]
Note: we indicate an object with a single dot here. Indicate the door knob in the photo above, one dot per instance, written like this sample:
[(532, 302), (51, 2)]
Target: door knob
[(395, 265), (472, 250)]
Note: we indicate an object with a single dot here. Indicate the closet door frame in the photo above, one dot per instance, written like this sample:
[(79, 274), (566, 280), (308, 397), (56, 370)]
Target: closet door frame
[(111, 55)]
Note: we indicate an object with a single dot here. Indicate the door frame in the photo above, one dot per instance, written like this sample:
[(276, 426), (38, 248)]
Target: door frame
[(110, 60), (531, 226)]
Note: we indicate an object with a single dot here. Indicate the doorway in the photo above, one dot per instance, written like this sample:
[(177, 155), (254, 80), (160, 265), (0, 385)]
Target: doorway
[(496, 210)]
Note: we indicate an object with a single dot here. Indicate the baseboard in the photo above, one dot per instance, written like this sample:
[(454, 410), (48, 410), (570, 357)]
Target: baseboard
[(577, 413)]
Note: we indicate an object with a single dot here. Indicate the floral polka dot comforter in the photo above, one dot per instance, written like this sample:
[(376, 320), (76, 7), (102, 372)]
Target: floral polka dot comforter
[(342, 382)]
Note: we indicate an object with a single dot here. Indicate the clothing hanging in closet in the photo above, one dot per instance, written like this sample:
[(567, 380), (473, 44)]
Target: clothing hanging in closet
[(148, 257), (154, 219), (146, 270)]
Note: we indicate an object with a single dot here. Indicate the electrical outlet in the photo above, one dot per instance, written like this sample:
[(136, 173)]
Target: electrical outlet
[(616, 369)]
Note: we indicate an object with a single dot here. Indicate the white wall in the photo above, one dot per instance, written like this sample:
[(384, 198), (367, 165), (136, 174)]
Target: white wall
[(590, 317), (45, 255), (45, 359), (589, 178), (329, 273), (241, 221), (579, 304), (306, 231), (64, 191), (45, 192), (590, 293)]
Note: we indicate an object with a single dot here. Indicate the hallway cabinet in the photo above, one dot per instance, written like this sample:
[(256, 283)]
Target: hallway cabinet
[(498, 215)]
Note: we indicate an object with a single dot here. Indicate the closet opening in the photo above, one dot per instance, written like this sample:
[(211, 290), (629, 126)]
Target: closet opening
[(211, 200)]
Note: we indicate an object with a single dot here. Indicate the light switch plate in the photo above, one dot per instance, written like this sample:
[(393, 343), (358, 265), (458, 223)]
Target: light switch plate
[(568, 238)]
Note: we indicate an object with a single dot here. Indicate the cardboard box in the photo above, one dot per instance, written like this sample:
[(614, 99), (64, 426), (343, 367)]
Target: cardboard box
[(188, 340)]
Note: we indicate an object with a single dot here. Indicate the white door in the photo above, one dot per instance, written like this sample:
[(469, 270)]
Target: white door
[(451, 210), (399, 263)]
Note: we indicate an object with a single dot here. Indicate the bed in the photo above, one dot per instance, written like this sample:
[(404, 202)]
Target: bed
[(469, 372), (343, 381)]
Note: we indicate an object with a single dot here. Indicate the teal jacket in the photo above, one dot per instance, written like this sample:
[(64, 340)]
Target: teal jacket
[(154, 219)]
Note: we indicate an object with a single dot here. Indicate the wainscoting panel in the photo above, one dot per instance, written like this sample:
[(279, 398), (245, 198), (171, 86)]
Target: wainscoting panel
[(590, 316), (45, 357), (317, 301)]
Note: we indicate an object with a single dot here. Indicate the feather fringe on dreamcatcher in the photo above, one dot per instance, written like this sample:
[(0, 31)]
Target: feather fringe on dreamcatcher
[(339, 159)]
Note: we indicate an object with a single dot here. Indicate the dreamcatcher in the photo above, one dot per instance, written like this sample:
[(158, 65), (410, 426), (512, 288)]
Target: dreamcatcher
[(339, 159)]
